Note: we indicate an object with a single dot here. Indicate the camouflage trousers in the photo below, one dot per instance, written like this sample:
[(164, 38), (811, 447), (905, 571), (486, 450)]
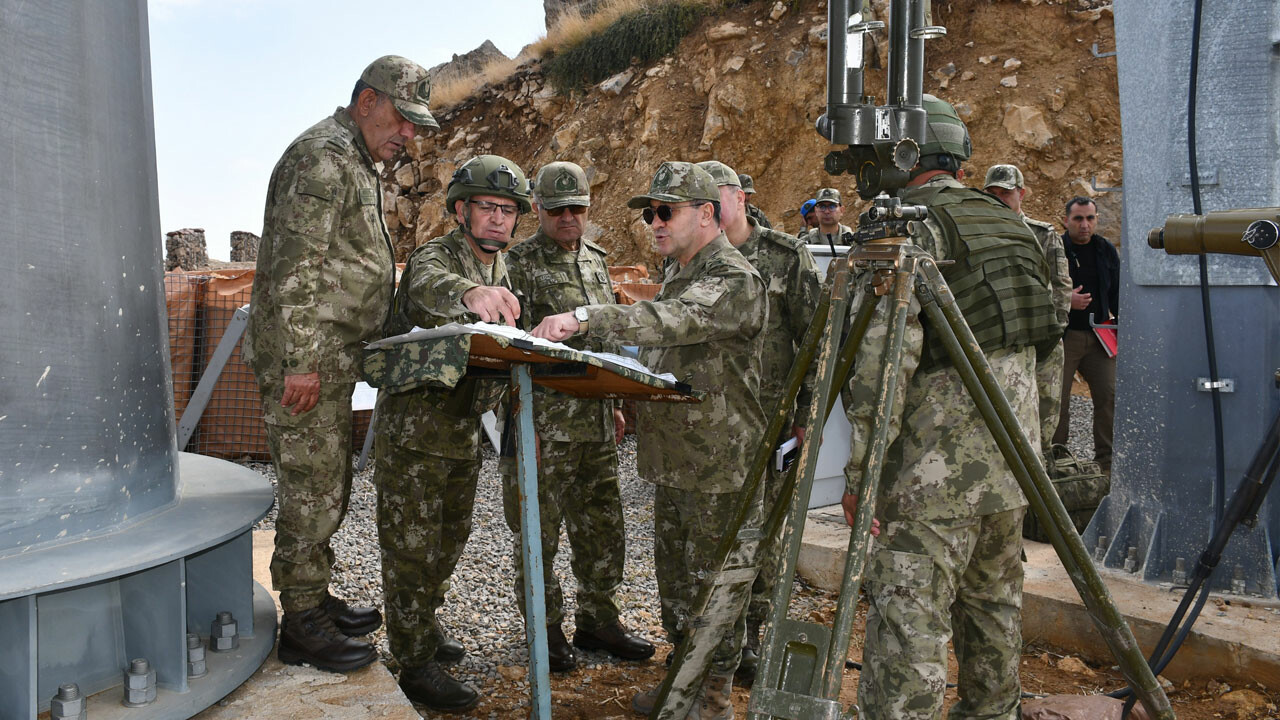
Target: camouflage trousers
[(930, 581), (686, 527), (577, 483), (770, 561), (312, 457), (1049, 391), (424, 521)]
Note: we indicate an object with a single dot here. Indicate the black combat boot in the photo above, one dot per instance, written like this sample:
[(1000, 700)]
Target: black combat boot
[(746, 672), (430, 685), (615, 639), (352, 621), (562, 658), (311, 637), (448, 649)]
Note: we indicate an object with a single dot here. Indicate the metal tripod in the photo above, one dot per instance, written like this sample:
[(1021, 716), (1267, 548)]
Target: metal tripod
[(801, 671)]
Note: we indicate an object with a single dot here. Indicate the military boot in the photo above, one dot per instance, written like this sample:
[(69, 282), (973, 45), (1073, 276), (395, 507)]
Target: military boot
[(352, 621), (311, 637), (746, 672), (614, 639), (448, 649), (644, 702), (561, 657), (715, 699), (432, 686)]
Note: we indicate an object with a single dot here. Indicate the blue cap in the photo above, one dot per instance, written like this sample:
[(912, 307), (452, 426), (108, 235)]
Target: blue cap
[(807, 207)]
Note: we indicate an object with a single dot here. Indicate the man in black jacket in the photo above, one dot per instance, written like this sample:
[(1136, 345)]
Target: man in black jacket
[(1095, 277)]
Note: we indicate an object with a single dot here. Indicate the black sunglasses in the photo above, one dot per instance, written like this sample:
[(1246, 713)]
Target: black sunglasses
[(664, 212), (575, 209)]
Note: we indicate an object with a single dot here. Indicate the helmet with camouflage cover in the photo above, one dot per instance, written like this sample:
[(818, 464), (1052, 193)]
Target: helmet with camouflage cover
[(559, 184), (489, 175), (678, 182), (946, 139)]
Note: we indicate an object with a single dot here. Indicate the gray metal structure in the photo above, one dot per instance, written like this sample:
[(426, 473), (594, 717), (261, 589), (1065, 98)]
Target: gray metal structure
[(1162, 496), (113, 545)]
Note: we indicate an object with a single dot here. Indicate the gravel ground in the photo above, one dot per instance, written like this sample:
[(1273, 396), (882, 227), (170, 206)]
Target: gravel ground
[(480, 606)]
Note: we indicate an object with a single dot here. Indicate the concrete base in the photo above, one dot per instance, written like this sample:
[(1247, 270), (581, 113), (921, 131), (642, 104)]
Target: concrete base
[(300, 692), (1234, 638)]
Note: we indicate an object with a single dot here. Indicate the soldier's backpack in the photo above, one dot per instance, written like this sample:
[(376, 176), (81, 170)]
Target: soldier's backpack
[(1081, 485)]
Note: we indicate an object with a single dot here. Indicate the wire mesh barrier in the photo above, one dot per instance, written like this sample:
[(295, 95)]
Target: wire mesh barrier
[(201, 306)]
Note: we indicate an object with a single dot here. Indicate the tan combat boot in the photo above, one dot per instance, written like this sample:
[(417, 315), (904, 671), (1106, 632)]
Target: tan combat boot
[(715, 700)]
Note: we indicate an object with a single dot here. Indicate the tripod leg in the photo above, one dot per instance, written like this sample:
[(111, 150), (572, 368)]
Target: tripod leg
[(940, 307), (860, 537)]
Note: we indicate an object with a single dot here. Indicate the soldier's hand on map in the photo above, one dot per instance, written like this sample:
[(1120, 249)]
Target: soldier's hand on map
[(301, 392), (492, 304), (850, 505), (619, 426), (556, 327)]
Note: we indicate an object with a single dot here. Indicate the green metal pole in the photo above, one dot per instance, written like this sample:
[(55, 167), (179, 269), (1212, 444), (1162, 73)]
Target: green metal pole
[(531, 546), (968, 359)]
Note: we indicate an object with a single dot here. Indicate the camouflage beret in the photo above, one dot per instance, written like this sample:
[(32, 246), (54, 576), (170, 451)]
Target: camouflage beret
[(1008, 177), (678, 182), (828, 195), (748, 185), (406, 83), (561, 183), (721, 173)]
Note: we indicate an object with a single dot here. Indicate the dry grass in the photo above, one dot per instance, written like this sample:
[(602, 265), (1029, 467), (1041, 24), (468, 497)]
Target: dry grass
[(570, 30)]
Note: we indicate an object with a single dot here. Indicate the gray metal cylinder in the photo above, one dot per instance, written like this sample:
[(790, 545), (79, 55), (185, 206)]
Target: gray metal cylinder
[(85, 413)]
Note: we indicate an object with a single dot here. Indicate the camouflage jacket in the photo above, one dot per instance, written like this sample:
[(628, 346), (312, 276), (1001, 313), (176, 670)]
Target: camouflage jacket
[(326, 270), (942, 461), (1059, 270), (549, 280), (430, 294), (815, 236), (705, 328), (758, 214), (791, 283)]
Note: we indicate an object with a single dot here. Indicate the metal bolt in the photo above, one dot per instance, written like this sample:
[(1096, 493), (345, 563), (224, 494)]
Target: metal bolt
[(223, 635), (1131, 561), (1180, 571), (68, 704), (1100, 552), (1237, 580), (196, 665), (139, 683)]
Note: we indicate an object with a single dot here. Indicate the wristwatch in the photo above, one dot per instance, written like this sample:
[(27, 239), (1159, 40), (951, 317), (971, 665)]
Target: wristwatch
[(580, 314)]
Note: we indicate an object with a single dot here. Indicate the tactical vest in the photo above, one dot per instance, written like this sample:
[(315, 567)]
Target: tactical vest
[(1000, 277)]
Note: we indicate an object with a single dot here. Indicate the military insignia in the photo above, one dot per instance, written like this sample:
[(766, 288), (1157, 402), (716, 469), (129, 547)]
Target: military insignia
[(662, 180), (424, 90), (566, 183)]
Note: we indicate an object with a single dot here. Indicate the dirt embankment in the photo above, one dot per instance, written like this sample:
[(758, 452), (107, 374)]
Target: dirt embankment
[(746, 87)]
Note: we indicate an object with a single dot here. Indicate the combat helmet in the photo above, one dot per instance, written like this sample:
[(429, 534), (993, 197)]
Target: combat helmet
[(488, 175), (946, 139)]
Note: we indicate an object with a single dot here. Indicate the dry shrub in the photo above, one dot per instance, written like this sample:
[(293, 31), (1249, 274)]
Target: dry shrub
[(454, 90)]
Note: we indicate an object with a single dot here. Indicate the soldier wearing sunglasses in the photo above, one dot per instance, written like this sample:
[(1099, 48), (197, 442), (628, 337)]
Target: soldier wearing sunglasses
[(556, 271), (705, 327), (427, 443)]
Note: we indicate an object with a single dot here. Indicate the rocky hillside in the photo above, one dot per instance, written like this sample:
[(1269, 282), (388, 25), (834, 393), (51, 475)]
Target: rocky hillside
[(746, 87)]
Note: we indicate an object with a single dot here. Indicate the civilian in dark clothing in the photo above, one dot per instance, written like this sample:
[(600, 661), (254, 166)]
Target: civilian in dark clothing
[(1095, 275)]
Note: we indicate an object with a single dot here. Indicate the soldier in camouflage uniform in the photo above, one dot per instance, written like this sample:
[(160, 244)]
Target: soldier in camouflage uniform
[(829, 210), (705, 327), (1006, 182), (427, 444), (946, 565), (323, 287), (749, 187), (791, 282), (556, 271)]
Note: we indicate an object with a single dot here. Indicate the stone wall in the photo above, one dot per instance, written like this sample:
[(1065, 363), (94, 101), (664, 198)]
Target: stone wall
[(185, 249), (244, 246)]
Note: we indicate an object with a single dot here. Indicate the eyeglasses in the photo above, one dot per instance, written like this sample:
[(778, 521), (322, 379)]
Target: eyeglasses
[(664, 212), (575, 209), (489, 208)]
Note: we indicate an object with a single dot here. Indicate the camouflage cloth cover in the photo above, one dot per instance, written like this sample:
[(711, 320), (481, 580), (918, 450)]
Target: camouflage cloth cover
[(439, 356), (1081, 485)]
